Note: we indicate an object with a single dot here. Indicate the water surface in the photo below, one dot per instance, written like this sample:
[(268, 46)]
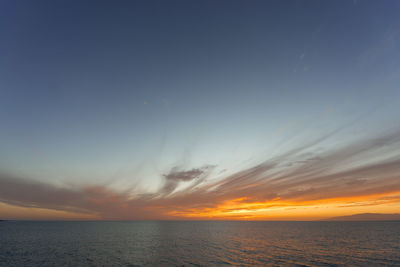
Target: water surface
[(165, 243)]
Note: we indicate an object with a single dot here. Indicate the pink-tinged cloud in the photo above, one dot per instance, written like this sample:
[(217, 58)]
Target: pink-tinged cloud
[(301, 177)]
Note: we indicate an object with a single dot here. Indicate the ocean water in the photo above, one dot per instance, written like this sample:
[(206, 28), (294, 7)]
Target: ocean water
[(166, 243)]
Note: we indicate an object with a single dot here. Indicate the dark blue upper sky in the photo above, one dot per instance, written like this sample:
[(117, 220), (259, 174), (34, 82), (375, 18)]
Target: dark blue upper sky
[(124, 90)]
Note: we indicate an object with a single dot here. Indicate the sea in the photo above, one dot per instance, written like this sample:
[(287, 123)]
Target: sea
[(199, 243)]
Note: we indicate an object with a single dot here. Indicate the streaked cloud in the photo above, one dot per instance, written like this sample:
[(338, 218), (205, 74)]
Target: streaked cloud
[(295, 180), (176, 176)]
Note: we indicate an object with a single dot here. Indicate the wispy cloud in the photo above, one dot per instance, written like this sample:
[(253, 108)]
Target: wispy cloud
[(299, 177), (176, 176)]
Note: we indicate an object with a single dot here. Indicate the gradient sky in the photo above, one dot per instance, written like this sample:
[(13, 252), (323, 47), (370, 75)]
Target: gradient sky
[(199, 109)]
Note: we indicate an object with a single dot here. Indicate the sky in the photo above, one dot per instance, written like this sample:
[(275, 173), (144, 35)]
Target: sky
[(199, 110)]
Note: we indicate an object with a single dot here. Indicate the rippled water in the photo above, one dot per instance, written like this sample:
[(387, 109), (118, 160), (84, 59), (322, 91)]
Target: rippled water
[(155, 243)]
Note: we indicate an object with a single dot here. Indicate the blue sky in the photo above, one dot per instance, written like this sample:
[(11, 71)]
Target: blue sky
[(121, 93)]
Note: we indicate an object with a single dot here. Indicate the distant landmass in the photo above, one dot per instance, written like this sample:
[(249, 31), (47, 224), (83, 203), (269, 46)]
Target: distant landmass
[(367, 217)]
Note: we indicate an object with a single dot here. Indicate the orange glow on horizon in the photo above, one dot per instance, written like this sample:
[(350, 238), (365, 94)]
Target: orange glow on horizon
[(242, 208), (277, 209)]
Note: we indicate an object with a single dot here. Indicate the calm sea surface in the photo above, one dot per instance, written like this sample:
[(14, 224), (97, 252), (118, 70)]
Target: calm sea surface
[(160, 243)]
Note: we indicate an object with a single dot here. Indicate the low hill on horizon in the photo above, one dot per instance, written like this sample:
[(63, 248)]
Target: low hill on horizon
[(367, 217)]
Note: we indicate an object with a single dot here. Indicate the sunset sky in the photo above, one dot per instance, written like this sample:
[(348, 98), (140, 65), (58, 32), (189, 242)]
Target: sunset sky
[(199, 110)]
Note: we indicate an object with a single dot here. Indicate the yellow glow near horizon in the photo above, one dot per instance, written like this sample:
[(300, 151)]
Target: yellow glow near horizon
[(236, 209), (276, 209)]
